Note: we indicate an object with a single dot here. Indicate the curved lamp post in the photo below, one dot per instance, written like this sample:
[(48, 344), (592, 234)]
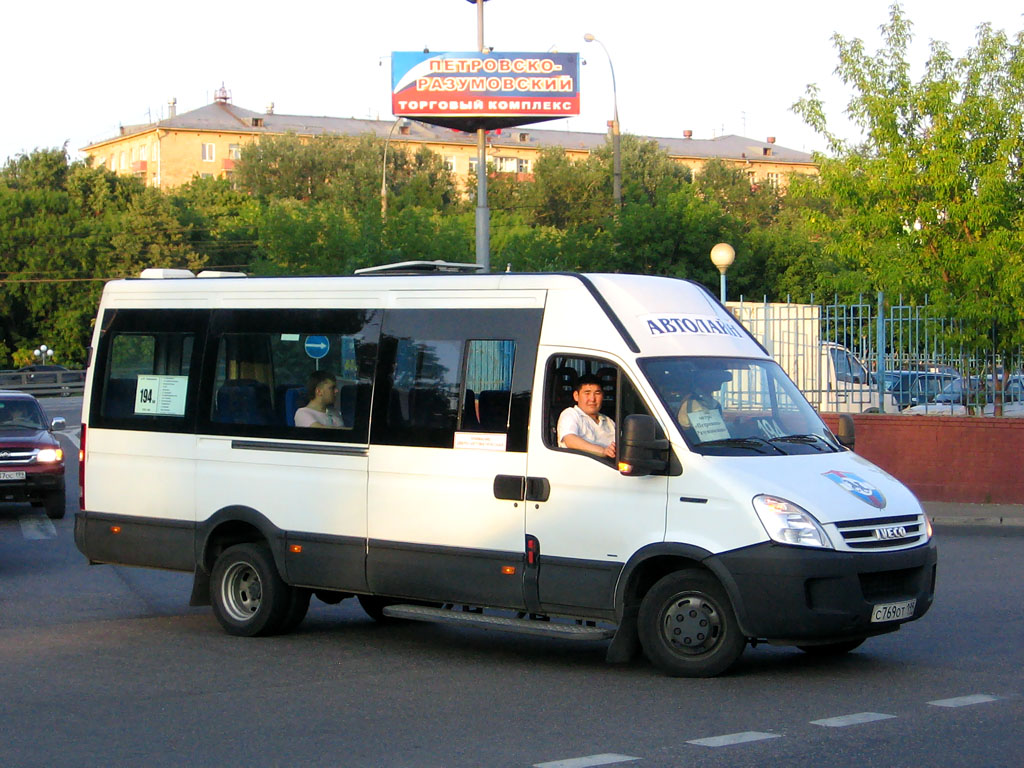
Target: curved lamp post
[(722, 256), (616, 141)]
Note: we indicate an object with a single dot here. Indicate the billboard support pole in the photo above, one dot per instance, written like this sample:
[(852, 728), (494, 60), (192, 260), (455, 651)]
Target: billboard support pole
[(483, 213)]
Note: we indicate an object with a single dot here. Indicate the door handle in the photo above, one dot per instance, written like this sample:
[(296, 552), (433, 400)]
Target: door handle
[(537, 489), (510, 487)]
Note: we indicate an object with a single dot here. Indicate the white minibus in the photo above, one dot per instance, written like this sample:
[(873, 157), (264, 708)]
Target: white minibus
[(440, 490)]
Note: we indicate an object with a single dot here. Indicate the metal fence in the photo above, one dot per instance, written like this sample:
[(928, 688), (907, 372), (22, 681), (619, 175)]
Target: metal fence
[(44, 383), (907, 351)]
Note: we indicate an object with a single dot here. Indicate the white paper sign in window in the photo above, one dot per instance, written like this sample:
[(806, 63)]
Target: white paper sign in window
[(161, 395), (709, 425)]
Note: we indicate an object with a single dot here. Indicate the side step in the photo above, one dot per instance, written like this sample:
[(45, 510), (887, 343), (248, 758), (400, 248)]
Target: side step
[(503, 623)]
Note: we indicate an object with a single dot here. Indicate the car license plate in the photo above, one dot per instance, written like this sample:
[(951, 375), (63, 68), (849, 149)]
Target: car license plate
[(893, 611), (12, 475)]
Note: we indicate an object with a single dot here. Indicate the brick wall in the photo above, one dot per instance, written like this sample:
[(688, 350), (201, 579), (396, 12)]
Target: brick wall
[(946, 458)]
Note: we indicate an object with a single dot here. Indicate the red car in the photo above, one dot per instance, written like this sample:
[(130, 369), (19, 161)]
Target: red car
[(31, 459)]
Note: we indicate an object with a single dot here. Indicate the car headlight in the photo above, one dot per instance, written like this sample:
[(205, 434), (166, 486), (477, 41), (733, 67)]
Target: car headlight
[(49, 455), (788, 523)]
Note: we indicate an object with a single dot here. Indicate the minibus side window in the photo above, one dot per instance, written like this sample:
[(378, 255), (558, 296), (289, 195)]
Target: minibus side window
[(261, 360), (142, 378), (455, 378)]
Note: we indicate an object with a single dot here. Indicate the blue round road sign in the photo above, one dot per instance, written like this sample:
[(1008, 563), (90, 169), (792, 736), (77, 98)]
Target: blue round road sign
[(317, 346)]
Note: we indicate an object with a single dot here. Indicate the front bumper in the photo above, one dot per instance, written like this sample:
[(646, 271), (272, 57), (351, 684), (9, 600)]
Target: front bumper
[(798, 595), (40, 481)]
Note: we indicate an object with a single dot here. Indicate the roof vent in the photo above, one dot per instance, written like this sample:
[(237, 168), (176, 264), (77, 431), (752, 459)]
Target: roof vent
[(172, 107), (421, 268), (222, 95), (687, 134), (154, 273), (270, 108), (771, 139)]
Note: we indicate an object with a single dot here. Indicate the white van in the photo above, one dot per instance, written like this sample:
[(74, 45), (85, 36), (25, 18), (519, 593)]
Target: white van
[(444, 495)]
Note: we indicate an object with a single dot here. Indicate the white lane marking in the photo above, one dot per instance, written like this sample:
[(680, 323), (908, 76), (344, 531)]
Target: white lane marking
[(964, 701), (37, 527), (856, 719), (733, 738), (584, 762), (74, 438)]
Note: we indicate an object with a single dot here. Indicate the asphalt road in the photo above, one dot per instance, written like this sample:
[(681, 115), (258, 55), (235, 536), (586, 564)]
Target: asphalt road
[(108, 666)]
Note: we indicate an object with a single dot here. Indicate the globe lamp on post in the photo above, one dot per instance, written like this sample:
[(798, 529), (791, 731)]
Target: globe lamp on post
[(722, 256)]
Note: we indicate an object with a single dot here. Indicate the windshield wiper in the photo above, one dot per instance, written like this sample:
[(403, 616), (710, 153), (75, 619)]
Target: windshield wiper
[(751, 443), (804, 440)]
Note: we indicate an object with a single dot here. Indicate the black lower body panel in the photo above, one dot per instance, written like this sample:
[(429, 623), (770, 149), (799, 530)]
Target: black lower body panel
[(129, 540)]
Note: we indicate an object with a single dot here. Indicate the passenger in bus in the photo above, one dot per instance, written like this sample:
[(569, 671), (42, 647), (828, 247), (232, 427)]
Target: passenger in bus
[(583, 427), (703, 384), (319, 411)]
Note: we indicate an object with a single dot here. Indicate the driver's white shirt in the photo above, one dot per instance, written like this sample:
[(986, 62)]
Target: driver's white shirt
[(574, 421)]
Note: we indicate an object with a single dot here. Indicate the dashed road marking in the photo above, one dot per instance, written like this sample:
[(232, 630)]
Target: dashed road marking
[(733, 738), (585, 762), (964, 701), (855, 719), (37, 527)]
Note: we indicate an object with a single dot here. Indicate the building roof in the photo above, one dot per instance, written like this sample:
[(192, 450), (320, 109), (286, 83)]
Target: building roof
[(222, 116)]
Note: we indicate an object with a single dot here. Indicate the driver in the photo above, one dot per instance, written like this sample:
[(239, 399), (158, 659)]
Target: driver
[(703, 385), (583, 427)]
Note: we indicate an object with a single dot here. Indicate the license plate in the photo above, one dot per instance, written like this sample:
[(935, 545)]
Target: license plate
[(12, 475), (893, 611)]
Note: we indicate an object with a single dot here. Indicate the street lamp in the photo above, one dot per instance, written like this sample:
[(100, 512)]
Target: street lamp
[(43, 353), (384, 174), (616, 141), (722, 256)]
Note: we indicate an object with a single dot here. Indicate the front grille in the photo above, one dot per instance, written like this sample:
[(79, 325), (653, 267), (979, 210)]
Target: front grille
[(890, 585), (883, 533), (19, 456)]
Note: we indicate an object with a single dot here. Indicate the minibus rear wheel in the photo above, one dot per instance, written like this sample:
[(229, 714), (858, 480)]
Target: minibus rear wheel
[(687, 626), (248, 595)]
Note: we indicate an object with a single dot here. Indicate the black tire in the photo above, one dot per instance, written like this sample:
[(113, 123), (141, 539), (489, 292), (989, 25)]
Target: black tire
[(832, 649), (374, 606), (249, 597), (687, 626), (55, 504), (297, 608)]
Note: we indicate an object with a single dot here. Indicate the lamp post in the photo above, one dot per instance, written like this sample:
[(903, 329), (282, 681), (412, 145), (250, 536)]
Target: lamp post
[(722, 256), (616, 139), (43, 353), (384, 174)]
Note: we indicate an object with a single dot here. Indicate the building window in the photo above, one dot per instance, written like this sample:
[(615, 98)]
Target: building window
[(143, 152), (473, 162), (449, 163), (208, 153), (506, 164), (775, 179), (123, 161), (524, 165), (235, 151)]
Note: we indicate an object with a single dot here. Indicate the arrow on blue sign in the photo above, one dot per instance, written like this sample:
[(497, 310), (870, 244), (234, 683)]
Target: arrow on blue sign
[(317, 346)]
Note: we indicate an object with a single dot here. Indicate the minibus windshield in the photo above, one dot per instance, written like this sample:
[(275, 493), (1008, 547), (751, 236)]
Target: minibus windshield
[(737, 406)]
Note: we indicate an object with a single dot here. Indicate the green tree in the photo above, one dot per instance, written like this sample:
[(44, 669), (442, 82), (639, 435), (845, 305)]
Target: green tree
[(930, 201)]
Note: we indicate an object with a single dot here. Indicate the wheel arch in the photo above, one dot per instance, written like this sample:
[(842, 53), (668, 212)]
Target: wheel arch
[(654, 561), (232, 525)]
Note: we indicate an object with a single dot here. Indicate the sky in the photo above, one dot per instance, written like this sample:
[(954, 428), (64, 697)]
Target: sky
[(713, 68)]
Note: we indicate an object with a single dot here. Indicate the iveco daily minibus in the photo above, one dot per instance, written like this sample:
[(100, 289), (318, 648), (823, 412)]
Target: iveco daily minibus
[(442, 493)]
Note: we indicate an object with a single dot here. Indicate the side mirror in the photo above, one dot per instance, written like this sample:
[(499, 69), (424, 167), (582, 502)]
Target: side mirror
[(642, 451), (59, 422), (846, 432)]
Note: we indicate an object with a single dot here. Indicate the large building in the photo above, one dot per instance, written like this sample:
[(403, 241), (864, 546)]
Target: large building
[(207, 142)]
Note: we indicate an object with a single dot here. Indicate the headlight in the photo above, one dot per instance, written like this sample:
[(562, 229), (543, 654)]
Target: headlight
[(787, 523), (49, 455)]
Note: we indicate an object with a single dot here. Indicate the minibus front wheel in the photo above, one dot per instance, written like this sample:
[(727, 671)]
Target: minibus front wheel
[(248, 595), (687, 626)]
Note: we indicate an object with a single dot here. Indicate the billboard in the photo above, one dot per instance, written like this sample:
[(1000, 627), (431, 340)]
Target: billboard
[(484, 90)]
